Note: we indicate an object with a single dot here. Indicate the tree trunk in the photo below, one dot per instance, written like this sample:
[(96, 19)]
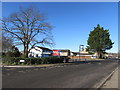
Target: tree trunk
[(26, 50), (99, 54)]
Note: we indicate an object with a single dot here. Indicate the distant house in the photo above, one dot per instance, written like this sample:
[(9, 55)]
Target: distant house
[(73, 53), (112, 55), (40, 52), (61, 52), (83, 54), (65, 52)]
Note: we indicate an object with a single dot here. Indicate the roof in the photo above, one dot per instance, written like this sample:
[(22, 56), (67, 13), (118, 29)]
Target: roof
[(81, 53), (85, 54), (62, 50), (43, 48)]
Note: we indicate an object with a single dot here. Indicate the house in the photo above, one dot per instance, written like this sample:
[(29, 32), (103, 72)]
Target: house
[(112, 55), (39, 52), (73, 53), (61, 52), (78, 55), (65, 52), (82, 54)]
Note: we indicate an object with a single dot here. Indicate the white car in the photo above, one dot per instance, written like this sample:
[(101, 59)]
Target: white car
[(94, 57)]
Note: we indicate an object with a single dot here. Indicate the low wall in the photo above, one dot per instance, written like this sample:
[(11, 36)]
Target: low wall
[(79, 57)]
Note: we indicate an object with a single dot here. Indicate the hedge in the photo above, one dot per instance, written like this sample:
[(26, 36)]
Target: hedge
[(46, 60), (28, 61)]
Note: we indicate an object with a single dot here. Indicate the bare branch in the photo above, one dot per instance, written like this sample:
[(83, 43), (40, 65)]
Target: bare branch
[(25, 26), (7, 30)]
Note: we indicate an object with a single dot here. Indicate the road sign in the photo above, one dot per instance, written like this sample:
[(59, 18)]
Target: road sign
[(22, 60)]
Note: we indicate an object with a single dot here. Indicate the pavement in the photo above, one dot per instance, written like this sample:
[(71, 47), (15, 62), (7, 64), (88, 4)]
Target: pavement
[(77, 75), (112, 80), (41, 65)]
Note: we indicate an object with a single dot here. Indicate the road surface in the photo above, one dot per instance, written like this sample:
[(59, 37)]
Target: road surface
[(78, 75)]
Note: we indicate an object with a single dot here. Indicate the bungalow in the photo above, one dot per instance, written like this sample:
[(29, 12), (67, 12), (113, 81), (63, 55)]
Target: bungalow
[(61, 52), (83, 54), (78, 55), (39, 52)]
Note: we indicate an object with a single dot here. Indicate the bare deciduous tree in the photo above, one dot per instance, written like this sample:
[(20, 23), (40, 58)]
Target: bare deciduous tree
[(28, 27), (6, 43)]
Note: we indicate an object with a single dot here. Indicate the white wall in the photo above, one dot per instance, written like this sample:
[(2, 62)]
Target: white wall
[(38, 51), (35, 52)]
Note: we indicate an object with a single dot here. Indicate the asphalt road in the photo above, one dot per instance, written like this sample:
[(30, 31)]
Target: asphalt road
[(78, 75)]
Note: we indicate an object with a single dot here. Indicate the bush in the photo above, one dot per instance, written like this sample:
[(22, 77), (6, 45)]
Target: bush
[(16, 60), (46, 60), (31, 61), (6, 60), (35, 60)]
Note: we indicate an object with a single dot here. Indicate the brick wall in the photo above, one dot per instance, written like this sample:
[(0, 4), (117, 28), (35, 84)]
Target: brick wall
[(79, 57)]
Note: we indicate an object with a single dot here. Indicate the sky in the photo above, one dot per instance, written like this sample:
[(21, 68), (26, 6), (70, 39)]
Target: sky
[(73, 21)]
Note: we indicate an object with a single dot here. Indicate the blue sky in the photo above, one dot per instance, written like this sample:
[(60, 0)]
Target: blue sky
[(73, 21)]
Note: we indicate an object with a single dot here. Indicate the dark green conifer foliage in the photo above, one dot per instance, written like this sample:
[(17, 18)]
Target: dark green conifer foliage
[(99, 41)]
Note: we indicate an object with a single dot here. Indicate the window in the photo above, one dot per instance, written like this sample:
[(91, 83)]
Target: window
[(36, 55)]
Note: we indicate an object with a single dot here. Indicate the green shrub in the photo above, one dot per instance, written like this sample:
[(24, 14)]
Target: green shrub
[(46, 60), (35, 60), (6, 60), (31, 61), (28, 61)]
